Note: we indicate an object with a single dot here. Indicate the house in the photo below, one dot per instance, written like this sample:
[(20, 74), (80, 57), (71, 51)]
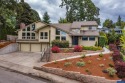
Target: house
[(117, 30), (38, 35)]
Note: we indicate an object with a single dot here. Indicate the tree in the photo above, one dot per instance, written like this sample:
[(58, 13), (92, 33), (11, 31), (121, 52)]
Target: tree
[(80, 10), (122, 40), (25, 14), (108, 23), (12, 13), (118, 23), (46, 18), (62, 20)]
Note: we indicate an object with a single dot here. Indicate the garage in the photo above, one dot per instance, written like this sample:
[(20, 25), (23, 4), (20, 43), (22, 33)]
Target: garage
[(32, 47)]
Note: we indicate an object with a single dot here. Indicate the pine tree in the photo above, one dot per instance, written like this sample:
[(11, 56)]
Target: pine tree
[(46, 18), (119, 21)]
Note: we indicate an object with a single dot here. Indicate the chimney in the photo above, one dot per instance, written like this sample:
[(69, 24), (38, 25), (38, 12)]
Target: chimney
[(22, 25)]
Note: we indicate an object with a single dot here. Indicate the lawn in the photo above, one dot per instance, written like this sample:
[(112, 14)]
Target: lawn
[(88, 65)]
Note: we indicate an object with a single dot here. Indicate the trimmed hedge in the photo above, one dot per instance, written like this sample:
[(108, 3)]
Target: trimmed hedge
[(61, 44), (93, 48)]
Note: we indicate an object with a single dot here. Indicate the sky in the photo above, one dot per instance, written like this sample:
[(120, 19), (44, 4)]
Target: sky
[(109, 9)]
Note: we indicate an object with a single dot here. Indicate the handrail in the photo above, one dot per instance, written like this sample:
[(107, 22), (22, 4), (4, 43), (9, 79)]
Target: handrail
[(46, 54)]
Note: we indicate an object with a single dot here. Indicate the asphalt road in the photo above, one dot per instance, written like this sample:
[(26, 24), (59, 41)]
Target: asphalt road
[(7, 76)]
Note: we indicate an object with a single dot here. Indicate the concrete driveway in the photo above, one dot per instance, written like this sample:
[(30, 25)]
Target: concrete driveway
[(23, 58)]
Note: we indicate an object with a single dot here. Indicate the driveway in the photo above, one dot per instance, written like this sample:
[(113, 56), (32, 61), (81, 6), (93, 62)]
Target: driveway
[(23, 58)]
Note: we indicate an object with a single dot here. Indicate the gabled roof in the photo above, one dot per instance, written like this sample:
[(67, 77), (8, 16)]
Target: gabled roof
[(65, 27), (83, 23)]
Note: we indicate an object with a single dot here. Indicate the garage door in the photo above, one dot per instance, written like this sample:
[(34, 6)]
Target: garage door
[(35, 47), (25, 47)]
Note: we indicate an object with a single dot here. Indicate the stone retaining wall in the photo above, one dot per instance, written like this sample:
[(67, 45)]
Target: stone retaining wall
[(9, 48), (76, 75)]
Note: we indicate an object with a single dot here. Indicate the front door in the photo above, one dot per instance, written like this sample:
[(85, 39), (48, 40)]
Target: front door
[(75, 40)]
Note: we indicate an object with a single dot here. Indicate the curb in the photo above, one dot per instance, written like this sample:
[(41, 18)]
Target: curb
[(30, 71)]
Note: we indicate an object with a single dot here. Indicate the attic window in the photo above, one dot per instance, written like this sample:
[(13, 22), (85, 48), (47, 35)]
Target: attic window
[(33, 27)]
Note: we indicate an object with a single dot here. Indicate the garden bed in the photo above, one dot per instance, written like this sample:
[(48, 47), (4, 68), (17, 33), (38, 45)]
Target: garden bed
[(70, 53), (93, 65)]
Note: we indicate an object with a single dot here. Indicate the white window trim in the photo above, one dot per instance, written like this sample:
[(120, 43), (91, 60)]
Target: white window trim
[(43, 37)]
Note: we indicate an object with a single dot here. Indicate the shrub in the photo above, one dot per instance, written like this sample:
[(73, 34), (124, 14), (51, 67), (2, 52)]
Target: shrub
[(61, 44), (96, 43), (77, 49), (80, 64), (83, 56), (102, 41), (86, 70), (111, 71), (112, 47), (111, 65), (89, 62), (101, 55), (67, 64), (120, 67), (93, 48), (55, 49), (55, 62), (101, 65)]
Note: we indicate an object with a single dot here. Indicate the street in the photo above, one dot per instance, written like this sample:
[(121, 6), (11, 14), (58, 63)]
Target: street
[(7, 76)]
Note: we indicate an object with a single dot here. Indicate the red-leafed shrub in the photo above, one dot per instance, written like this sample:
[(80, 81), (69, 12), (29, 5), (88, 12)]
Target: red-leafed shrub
[(77, 49), (55, 49), (116, 56), (120, 67), (112, 47)]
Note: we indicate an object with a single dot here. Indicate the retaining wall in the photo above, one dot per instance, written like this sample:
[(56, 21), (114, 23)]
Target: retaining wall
[(9, 48), (76, 75)]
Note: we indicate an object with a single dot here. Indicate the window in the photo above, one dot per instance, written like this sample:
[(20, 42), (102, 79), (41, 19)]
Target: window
[(33, 27), (57, 32), (44, 35), (85, 38), (63, 38), (28, 28), (92, 38), (33, 36), (57, 37)]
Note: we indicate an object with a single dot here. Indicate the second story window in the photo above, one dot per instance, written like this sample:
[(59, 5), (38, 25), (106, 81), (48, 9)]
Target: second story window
[(44, 35), (60, 35), (33, 27)]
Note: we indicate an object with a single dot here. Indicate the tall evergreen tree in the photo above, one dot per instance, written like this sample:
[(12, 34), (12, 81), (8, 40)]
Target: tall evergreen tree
[(46, 18), (62, 20), (80, 10), (119, 21)]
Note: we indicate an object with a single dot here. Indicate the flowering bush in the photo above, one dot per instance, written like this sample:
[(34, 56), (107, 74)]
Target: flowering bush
[(77, 49), (55, 49)]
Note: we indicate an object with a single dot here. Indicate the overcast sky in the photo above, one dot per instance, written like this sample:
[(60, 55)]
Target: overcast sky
[(108, 8)]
